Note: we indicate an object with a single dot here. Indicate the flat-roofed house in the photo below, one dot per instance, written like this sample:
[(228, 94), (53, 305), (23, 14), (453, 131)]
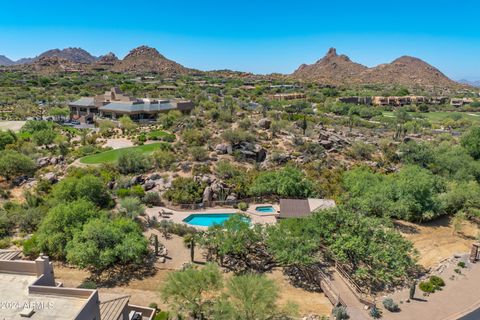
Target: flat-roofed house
[(114, 104), (28, 291), (356, 100), (289, 96), (299, 208)]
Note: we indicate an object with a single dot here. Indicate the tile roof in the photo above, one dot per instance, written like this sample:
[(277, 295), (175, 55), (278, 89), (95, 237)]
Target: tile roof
[(112, 308), (84, 102), (298, 208), (294, 208)]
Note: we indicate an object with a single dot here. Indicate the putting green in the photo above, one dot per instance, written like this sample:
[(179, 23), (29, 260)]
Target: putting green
[(113, 155)]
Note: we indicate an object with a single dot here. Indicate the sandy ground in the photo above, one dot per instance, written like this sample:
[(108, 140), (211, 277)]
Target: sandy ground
[(436, 241), (11, 125), (118, 143), (308, 302), (145, 291)]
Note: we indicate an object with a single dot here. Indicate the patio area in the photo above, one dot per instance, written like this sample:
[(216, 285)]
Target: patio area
[(178, 216)]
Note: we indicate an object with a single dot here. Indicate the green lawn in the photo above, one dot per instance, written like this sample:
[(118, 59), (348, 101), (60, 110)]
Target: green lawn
[(439, 116), (113, 155)]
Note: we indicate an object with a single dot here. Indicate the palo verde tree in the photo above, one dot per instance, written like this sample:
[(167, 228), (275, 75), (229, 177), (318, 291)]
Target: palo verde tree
[(237, 246), (103, 243), (191, 292)]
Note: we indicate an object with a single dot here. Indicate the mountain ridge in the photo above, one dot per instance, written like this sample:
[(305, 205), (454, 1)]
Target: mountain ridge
[(334, 69)]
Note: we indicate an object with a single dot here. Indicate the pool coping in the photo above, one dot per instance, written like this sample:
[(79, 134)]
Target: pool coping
[(179, 215)]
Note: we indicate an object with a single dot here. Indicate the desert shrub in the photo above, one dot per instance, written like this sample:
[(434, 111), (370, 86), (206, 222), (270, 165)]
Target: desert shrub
[(132, 161), (194, 137), (161, 135), (461, 264), (340, 313), (237, 136), (5, 243), (198, 153), (152, 199), (88, 284), (437, 282), (153, 305), (185, 190), (427, 286), (134, 191), (13, 164), (178, 229), (226, 170), (88, 187), (390, 305), (243, 206), (162, 315), (361, 150), (287, 182), (201, 169), (163, 159), (375, 313)]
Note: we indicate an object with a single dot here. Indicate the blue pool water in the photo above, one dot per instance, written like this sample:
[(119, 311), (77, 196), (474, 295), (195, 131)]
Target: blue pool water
[(207, 220), (265, 209)]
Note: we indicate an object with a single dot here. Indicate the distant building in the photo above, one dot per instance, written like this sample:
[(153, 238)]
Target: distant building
[(299, 208), (288, 96), (356, 100), (114, 104), (31, 291), (460, 102)]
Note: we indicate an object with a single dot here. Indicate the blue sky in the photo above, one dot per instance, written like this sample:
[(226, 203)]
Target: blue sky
[(257, 36)]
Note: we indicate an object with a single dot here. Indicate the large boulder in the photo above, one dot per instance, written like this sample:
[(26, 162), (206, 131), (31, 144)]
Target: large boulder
[(43, 162), (252, 151), (50, 177), (223, 148), (137, 180), (264, 123), (148, 185), (154, 176), (207, 195)]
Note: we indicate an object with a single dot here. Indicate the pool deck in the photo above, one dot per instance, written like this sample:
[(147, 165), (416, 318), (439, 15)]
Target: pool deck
[(179, 215)]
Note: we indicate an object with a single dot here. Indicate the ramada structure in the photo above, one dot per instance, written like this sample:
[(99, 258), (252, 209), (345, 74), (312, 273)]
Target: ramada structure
[(114, 104), (28, 291), (299, 208)]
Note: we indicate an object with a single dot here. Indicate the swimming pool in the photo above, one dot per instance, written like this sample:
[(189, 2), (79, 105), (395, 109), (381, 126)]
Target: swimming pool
[(265, 209), (207, 220)]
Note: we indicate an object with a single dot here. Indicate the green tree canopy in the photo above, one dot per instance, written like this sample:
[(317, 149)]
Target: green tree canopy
[(248, 297), (184, 191), (61, 223), (192, 292), (6, 138), (288, 182), (87, 187), (471, 142), (133, 161), (103, 243), (13, 164)]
